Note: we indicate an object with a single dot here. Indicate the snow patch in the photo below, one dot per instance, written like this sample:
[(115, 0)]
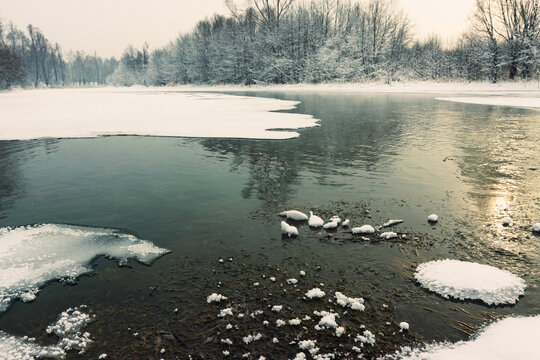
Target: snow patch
[(353, 303), (67, 328), (467, 280), (215, 298)]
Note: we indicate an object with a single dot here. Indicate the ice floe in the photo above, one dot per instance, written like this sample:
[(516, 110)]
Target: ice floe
[(31, 256), (68, 328), (509, 338), (76, 113), (467, 280)]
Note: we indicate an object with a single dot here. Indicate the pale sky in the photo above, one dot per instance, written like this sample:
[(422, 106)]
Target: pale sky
[(108, 26)]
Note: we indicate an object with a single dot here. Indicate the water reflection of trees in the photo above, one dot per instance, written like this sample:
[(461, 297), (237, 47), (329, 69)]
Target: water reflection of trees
[(13, 154), (357, 134)]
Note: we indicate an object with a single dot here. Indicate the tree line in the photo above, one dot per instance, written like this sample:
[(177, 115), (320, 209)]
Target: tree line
[(291, 41), (28, 58)]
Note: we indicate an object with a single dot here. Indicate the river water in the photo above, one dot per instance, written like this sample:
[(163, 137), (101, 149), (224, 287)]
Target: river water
[(374, 157)]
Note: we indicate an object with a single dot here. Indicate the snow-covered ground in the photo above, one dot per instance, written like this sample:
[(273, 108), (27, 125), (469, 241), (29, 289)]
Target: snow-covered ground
[(516, 94), (509, 338), (31, 256), (76, 113), (467, 280)]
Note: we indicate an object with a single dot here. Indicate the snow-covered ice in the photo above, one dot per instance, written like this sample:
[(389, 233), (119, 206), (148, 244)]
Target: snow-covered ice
[(289, 230), (294, 215), (513, 101), (314, 220), (467, 280), (364, 229), (509, 338), (76, 113), (315, 293), (67, 328), (31, 256)]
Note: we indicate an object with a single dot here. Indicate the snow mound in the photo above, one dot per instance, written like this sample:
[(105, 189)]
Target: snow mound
[(467, 280), (315, 293), (388, 235), (80, 113), (294, 215), (67, 328), (31, 256), (215, 298), (365, 229), (509, 338), (289, 230)]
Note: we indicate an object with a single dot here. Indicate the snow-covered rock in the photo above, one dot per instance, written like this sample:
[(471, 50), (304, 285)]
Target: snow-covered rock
[(506, 221), (277, 308), (335, 219), (536, 227), (292, 281), (433, 218), (294, 215), (289, 230), (314, 220), (403, 326), (388, 235), (467, 280), (364, 229), (330, 225), (346, 223)]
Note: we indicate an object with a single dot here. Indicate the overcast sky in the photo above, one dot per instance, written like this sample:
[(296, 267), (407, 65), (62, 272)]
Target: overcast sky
[(108, 26)]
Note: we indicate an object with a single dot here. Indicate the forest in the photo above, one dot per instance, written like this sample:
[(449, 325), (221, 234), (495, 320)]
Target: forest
[(295, 41)]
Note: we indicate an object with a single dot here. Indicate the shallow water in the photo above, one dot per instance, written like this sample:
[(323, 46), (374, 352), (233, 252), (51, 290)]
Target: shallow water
[(374, 158)]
